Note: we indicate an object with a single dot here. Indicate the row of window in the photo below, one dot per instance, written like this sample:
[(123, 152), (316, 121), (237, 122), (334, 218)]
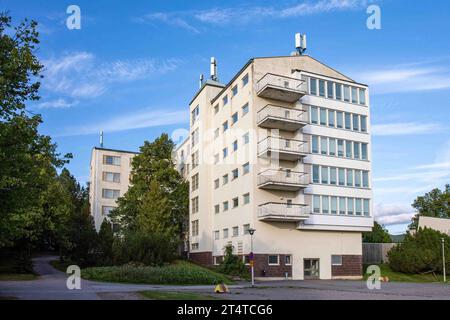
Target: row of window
[(274, 259), (111, 160), (340, 176), (339, 147), (332, 90), (338, 119), (235, 117), (235, 232), (234, 175), (234, 203), (110, 193), (234, 92), (234, 146), (341, 205), (111, 176)]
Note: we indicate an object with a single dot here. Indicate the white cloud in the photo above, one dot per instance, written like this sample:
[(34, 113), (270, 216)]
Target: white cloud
[(406, 128), (169, 19), (57, 104), (390, 214)]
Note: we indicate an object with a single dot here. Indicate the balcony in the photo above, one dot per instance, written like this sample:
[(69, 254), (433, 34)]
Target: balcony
[(278, 87), (285, 180), (277, 117), (283, 212), (282, 149)]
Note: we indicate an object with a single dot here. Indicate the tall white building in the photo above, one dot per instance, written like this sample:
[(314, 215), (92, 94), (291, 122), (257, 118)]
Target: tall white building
[(109, 180), (283, 148)]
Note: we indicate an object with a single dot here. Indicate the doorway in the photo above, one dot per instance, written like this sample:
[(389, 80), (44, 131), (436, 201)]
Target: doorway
[(311, 268)]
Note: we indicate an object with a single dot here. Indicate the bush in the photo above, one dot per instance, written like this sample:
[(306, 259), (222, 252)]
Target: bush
[(232, 264), (105, 244), (147, 249), (420, 253), (178, 273)]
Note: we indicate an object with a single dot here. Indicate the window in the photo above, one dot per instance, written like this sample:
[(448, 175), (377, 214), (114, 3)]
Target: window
[(341, 173), (225, 206), (338, 91), (216, 109), (315, 144), (342, 205), (358, 207), (216, 209), (110, 193), (366, 207), (340, 119), (323, 145), (246, 138), (330, 89), (235, 173), (362, 96), (234, 90), (235, 231), (194, 182), (324, 174), (194, 159), (225, 152), (111, 176), (333, 205), (216, 235), (316, 204), (194, 114), (234, 118), (358, 178), (325, 204), (235, 202), (106, 210), (195, 205), (363, 123), (235, 145), (225, 100), (364, 151), (194, 246), (313, 86), (216, 158), (336, 260), (349, 178), (340, 147), (346, 93), (246, 228), (194, 230), (273, 260), (356, 150), (350, 206), (348, 149), (224, 179), (216, 183), (332, 147), (225, 233), (287, 260), (289, 203), (322, 88), (323, 117), (216, 133), (245, 109), (333, 176), (314, 115), (194, 137), (315, 170), (246, 168), (112, 160), (348, 124), (355, 122), (225, 126), (331, 122), (354, 95), (246, 198), (245, 80), (365, 179)]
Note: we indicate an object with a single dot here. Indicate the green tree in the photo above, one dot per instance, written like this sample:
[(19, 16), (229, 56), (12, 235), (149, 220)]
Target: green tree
[(105, 243), (435, 203), (232, 264), (378, 234)]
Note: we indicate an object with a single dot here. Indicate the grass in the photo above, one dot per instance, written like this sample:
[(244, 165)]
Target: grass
[(8, 273), (386, 271), (178, 273), (171, 295)]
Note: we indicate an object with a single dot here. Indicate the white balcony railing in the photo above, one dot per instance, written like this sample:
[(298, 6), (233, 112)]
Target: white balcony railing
[(283, 145), (282, 115), (282, 177), (274, 211), (280, 87)]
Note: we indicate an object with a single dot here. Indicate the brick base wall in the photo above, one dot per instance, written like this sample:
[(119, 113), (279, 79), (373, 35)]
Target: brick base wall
[(351, 266), (202, 258)]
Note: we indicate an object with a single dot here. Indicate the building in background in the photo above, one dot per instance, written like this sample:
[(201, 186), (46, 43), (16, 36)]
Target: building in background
[(283, 148), (438, 224), (109, 179)]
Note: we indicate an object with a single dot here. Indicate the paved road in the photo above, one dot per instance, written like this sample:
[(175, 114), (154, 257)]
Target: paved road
[(52, 285)]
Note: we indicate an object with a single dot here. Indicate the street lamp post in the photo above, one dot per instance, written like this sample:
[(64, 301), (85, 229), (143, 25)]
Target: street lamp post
[(443, 259), (252, 261)]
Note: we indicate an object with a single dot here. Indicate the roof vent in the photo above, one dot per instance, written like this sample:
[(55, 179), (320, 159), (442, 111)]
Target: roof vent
[(300, 43), (213, 69)]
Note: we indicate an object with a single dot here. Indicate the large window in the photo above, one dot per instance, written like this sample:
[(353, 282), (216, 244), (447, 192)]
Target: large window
[(316, 204), (315, 170), (321, 88), (341, 176), (110, 193), (325, 204), (194, 157), (323, 117), (245, 80), (225, 233), (194, 228), (348, 124), (324, 174), (315, 144), (246, 198), (336, 260), (194, 182), (355, 122), (348, 149), (349, 178), (350, 210), (235, 231), (364, 151), (363, 123), (332, 175), (356, 150), (112, 160), (358, 178), (365, 179), (366, 207), (313, 86), (338, 91), (342, 207), (273, 260), (340, 148), (323, 145), (340, 119), (333, 205), (362, 96), (194, 202), (332, 150), (314, 115), (106, 210), (354, 95), (111, 176), (330, 90), (346, 93), (358, 207), (195, 137), (331, 122), (195, 113)]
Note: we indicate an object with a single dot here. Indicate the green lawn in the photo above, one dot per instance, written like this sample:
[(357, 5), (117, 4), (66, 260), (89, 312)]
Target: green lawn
[(171, 295), (403, 277), (178, 273), (7, 272)]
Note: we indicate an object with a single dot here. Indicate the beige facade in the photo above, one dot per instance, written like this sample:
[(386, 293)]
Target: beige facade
[(109, 179), (268, 151), (439, 224)]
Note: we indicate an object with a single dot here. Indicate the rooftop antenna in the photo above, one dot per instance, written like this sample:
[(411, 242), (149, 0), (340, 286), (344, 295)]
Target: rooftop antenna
[(101, 139), (300, 43), (213, 69), (201, 81)]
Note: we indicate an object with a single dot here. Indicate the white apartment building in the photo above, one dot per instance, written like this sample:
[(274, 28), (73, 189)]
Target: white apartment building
[(109, 180), (283, 148)]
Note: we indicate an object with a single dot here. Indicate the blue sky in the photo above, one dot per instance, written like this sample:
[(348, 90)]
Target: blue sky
[(133, 67)]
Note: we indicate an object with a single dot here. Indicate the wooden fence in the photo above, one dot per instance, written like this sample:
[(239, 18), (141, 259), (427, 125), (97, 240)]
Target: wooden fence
[(375, 253)]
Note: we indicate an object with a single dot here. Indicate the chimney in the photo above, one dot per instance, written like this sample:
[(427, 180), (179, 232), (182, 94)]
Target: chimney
[(200, 81), (213, 69), (101, 139)]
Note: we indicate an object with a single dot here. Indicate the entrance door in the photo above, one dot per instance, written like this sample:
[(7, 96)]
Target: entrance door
[(311, 268)]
